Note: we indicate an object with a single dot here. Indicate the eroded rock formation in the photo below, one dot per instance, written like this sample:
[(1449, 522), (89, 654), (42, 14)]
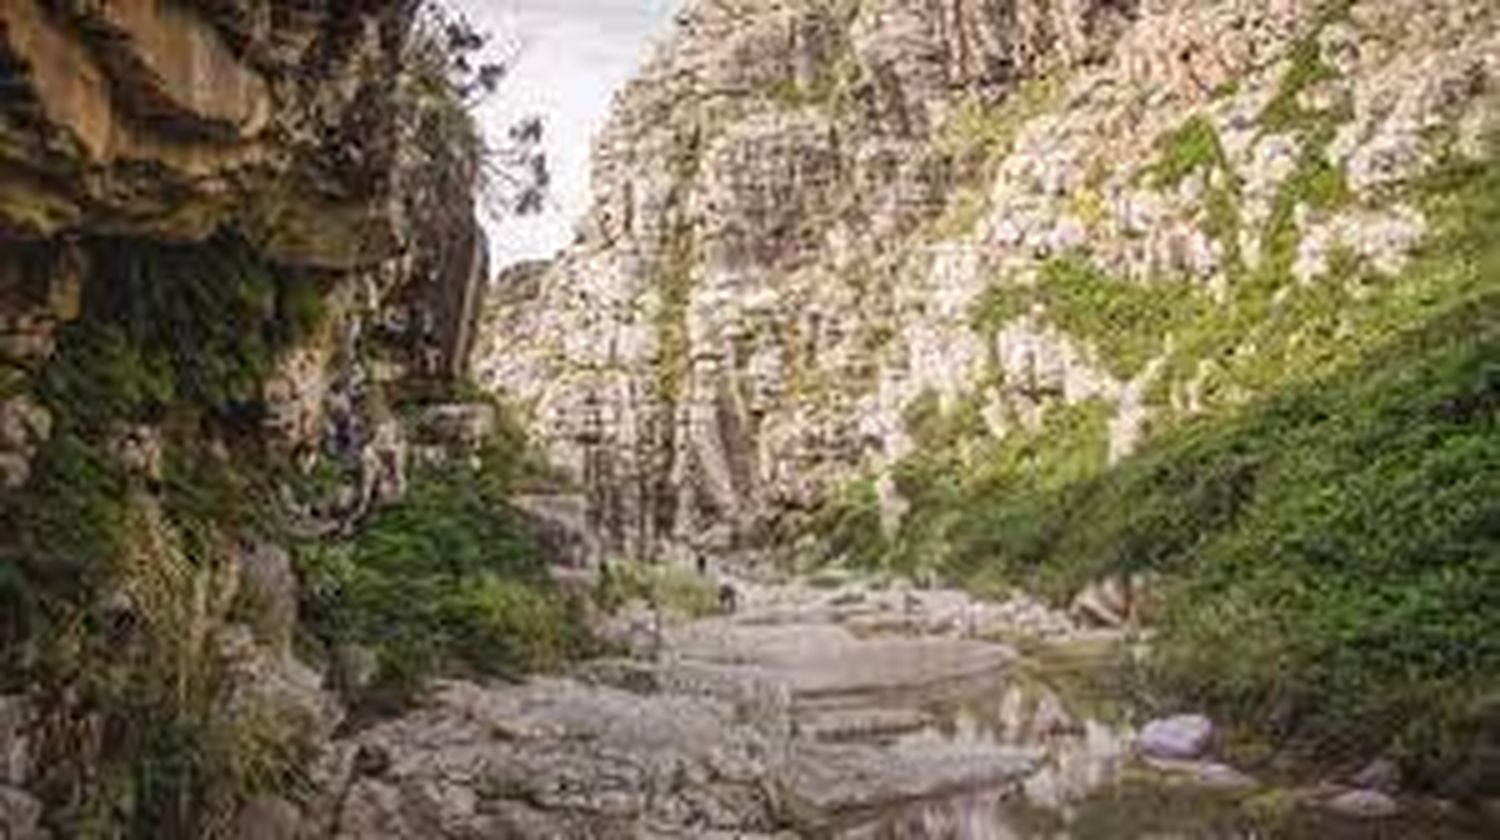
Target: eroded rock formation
[(222, 244), (812, 217)]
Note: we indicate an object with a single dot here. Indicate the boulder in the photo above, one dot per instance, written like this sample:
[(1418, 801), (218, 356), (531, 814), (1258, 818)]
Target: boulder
[(828, 781), (1179, 737), (1363, 804), (20, 815), (1211, 775), (268, 588), (1103, 604), (268, 818), (15, 751), (457, 425), (1382, 775)]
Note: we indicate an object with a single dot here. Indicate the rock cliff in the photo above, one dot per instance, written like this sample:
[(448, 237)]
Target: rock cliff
[(232, 233), (825, 231)]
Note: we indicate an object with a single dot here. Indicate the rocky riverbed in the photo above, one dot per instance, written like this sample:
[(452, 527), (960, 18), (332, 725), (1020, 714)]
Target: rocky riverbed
[(853, 711)]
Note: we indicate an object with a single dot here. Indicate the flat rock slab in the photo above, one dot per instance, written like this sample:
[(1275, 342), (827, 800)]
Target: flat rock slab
[(1210, 775), (824, 660), (829, 781), (1363, 805), (558, 758), (862, 724)]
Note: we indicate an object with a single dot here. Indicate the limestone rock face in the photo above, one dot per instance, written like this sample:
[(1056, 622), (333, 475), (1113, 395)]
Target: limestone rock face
[(804, 207), (272, 148), (163, 117), (169, 120)]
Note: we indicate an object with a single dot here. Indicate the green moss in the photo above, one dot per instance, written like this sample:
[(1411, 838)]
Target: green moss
[(1305, 69), (1192, 147), (984, 134), (988, 131), (1127, 323), (999, 305), (674, 286)]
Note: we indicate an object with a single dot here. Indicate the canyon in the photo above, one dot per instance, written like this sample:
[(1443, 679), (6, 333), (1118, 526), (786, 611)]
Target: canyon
[(978, 419)]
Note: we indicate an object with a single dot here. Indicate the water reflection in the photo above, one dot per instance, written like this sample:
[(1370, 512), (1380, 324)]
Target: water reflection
[(1088, 787)]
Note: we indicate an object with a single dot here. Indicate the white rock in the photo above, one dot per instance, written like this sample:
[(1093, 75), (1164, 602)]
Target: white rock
[(20, 813), (1382, 774), (1180, 737), (1363, 804)]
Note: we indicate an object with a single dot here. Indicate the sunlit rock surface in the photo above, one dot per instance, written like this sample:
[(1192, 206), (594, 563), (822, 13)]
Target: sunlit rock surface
[(800, 207)]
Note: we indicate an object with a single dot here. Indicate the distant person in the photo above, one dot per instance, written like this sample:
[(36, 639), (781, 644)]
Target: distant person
[(729, 598), (702, 561)]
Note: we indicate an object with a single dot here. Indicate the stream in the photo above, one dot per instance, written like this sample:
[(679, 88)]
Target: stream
[(1064, 700), (857, 711)]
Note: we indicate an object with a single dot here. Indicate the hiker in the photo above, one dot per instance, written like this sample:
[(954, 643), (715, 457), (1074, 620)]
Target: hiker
[(729, 598)]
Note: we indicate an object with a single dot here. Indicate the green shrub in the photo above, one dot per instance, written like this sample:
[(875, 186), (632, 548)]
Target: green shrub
[(99, 376), (1306, 68), (213, 314), (1331, 556), (673, 589), (446, 580), (998, 305), (849, 527), (1327, 551), (174, 325), (1128, 323), (674, 285), (1192, 147), (212, 497), (103, 578)]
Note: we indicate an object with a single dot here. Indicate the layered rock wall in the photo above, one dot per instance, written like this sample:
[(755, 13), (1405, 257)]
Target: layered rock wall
[(224, 249), (751, 175), (812, 217), (168, 120)]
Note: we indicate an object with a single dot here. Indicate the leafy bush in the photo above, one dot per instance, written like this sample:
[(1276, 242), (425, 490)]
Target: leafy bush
[(103, 578), (213, 315), (849, 526), (1193, 146), (446, 580), (1331, 553), (1328, 552), (1127, 322), (673, 589)]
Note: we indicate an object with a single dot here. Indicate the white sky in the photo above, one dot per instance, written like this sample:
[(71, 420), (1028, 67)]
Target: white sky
[(574, 55)]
